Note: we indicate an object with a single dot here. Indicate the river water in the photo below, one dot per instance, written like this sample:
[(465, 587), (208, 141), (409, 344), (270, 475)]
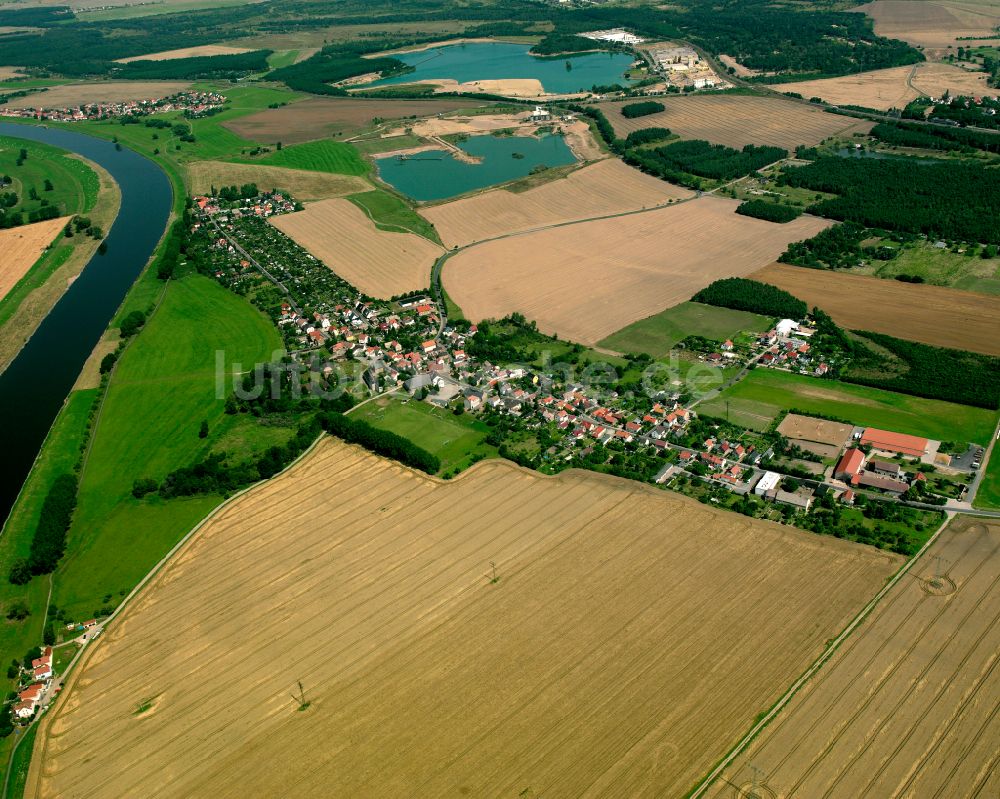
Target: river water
[(34, 386)]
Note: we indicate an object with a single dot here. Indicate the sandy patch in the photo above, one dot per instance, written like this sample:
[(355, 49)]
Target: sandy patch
[(809, 428), (9, 73), (740, 70), (22, 246), (98, 92), (607, 187), (588, 280), (378, 262), (609, 658), (187, 52)]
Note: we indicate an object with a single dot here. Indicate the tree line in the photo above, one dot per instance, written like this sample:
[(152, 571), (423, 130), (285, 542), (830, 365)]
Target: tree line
[(642, 109), (963, 140), (770, 212), (49, 539), (381, 442)]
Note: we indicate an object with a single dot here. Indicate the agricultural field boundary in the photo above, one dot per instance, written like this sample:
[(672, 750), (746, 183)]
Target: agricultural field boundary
[(709, 780)]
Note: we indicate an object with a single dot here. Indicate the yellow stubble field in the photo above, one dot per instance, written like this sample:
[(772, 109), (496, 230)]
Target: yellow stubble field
[(380, 263), (607, 187), (22, 246), (908, 707), (626, 637), (588, 280)]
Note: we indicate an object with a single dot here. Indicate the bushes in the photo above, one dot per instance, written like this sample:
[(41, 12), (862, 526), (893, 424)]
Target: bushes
[(172, 249), (647, 136), (749, 295), (771, 212), (49, 540), (381, 442), (645, 108), (132, 323), (837, 246)]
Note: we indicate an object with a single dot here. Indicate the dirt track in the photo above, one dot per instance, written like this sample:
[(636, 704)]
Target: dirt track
[(909, 704), (630, 637)]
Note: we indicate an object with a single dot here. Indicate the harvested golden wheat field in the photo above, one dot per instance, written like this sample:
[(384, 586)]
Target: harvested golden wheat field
[(933, 24), (630, 636), (187, 52), (98, 92), (890, 88), (908, 707), (303, 184), (589, 280), (607, 187), (935, 315), (22, 246), (737, 121), (379, 262)]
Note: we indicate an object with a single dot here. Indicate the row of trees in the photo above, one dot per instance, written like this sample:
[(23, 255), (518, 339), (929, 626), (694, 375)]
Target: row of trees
[(750, 295), (381, 442), (954, 200), (964, 140), (49, 540)]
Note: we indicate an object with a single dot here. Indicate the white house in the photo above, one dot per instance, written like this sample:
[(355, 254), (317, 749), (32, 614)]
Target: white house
[(766, 483), (786, 326)]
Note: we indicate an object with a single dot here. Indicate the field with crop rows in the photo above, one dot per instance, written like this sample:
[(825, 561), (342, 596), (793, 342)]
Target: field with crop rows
[(934, 315), (607, 187), (908, 705), (303, 184), (736, 120), (22, 246), (625, 637), (379, 262), (588, 280), (933, 24)]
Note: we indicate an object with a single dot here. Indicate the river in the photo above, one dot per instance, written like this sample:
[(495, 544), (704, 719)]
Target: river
[(35, 385)]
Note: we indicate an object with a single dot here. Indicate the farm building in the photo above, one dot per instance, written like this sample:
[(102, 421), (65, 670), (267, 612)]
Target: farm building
[(849, 464), (900, 443), (767, 482)]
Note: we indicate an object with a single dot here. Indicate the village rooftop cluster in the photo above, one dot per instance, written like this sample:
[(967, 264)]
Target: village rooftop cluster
[(193, 104)]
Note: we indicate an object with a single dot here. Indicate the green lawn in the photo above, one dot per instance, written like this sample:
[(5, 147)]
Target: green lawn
[(757, 399), (19, 766), (454, 439), (988, 495), (282, 58), (58, 456), (163, 387), (656, 335), (74, 184), (324, 155), (389, 212), (941, 267)]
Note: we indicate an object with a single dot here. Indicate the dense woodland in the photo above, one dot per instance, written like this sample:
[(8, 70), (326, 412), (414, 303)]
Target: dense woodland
[(750, 295), (647, 136), (837, 247), (953, 199), (698, 157), (49, 540), (771, 212), (641, 109), (905, 134)]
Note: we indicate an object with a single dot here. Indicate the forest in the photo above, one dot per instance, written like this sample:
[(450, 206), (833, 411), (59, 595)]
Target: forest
[(905, 134), (218, 66), (742, 294), (952, 200), (698, 157), (771, 212), (837, 247)]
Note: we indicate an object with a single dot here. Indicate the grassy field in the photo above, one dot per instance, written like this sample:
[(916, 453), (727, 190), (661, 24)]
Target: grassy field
[(656, 335), (19, 766), (163, 387), (318, 156), (131, 11), (74, 184), (941, 267), (988, 495), (757, 399), (389, 212), (454, 439)]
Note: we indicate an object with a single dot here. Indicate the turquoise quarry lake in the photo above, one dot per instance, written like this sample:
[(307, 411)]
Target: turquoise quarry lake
[(437, 174), (501, 60)]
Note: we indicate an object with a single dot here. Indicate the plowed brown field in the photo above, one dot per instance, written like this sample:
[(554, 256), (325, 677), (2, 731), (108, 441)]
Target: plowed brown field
[(303, 184), (737, 121), (931, 24), (588, 280), (380, 263), (631, 635), (319, 117), (22, 246), (607, 187), (934, 315), (890, 88), (909, 704)]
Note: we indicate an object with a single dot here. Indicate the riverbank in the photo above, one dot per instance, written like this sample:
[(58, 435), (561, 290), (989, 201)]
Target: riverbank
[(34, 296)]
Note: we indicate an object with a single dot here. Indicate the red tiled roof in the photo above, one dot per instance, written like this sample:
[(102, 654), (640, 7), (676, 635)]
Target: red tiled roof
[(850, 463), (895, 442)]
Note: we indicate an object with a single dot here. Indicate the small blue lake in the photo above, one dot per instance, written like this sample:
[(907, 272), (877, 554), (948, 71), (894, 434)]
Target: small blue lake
[(501, 60), (437, 174)]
